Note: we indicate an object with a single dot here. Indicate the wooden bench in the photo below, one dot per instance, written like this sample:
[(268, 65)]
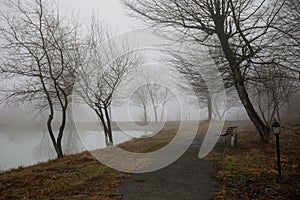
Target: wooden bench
[(229, 132)]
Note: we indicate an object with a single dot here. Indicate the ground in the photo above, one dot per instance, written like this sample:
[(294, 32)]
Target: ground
[(245, 172), (187, 178), (250, 170)]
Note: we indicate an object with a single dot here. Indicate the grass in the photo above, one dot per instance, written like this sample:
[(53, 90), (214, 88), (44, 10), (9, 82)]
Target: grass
[(250, 170), (148, 144), (246, 172), (78, 176)]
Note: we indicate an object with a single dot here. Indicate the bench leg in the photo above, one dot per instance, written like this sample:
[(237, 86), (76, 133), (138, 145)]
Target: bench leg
[(225, 138)]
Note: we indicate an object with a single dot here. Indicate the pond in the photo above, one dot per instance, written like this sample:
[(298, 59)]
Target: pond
[(28, 147)]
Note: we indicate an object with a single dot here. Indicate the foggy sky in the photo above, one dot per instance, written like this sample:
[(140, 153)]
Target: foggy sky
[(111, 11)]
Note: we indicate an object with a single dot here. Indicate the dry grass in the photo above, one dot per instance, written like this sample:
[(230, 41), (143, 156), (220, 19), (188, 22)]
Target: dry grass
[(250, 171), (75, 177), (149, 144), (246, 172), (80, 177)]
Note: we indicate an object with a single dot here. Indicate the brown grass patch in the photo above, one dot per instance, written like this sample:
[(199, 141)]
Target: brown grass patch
[(77, 177), (250, 170)]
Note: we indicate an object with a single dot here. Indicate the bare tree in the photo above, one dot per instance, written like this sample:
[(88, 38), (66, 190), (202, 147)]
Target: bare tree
[(107, 63), (272, 91), (140, 98), (190, 72), (195, 67), (244, 30), (40, 57), (152, 94)]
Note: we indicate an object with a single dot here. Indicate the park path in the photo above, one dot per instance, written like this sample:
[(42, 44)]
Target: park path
[(187, 178)]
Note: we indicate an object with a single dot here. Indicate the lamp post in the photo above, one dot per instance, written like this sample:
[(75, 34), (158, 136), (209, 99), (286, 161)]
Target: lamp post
[(276, 131)]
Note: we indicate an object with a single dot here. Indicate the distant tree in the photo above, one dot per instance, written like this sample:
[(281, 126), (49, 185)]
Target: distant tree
[(40, 57), (152, 94), (140, 98), (195, 67), (272, 92), (247, 33), (107, 63)]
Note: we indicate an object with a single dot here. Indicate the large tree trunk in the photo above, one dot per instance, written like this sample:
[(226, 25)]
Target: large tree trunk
[(239, 83), (263, 129)]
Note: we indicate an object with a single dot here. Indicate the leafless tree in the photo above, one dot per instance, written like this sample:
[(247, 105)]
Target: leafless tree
[(152, 94), (107, 63), (195, 67), (39, 58), (140, 98), (272, 92), (246, 32)]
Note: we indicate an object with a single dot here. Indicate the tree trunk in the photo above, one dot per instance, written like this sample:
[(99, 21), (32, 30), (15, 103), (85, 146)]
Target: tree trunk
[(154, 107), (263, 130), (103, 123), (239, 81), (145, 114), (209, 108), (57, 148), (155, 113), (108, 122), (60, 134)]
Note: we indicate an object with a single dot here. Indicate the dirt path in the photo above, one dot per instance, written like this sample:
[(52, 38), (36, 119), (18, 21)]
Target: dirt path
[(187, 178)]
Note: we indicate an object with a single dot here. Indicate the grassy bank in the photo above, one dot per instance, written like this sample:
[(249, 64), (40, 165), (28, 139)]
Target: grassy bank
[(77, 177), (246, 172), (250, 170)]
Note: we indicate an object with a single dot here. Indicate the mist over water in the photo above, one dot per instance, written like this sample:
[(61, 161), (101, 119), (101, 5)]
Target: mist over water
[(27, 147)]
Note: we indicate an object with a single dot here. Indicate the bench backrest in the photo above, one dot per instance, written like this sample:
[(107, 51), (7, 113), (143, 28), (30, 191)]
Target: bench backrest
[(231, 130)]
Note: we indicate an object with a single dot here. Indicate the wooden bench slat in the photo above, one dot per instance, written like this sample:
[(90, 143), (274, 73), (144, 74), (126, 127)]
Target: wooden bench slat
[(229, 131)]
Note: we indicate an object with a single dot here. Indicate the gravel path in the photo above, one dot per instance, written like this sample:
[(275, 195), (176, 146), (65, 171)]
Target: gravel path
[(187, 178)]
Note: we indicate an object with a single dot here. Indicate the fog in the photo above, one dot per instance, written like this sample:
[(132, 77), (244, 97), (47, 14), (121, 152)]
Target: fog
[(23, 134)]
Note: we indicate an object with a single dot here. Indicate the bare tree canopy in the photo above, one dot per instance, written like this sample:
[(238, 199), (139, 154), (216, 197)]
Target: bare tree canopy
[(195, 66), (248, 34), (40, 57), (152, 94), (107, 63)]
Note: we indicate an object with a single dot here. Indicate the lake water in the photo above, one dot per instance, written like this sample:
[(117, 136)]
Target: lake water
[(28, 147)]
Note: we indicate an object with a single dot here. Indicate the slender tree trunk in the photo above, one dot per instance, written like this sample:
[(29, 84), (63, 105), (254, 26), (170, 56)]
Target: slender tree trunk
[(61, 131), (153, 104), (162, 111), (108, 122), (209, 108), (155, 112), (57, 148), (101, 117), (145, 114)]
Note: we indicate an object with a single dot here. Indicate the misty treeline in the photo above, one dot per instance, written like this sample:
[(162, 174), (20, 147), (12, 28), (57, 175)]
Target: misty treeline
[(254, 44), (152, 95), (43, 54)]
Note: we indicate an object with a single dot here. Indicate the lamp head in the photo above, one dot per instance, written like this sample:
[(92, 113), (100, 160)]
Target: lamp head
[(276, 128)]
